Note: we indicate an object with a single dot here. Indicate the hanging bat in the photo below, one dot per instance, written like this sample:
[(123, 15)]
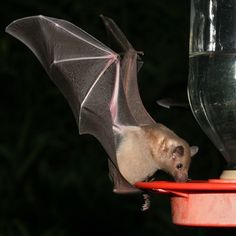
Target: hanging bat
[(102, 91)]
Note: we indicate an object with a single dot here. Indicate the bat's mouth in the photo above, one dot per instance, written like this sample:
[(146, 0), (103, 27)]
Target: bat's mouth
[(181, 177)]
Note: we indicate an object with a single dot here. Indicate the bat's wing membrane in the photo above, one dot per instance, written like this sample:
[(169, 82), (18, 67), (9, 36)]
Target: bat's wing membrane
[(84, 69), (130, 65)]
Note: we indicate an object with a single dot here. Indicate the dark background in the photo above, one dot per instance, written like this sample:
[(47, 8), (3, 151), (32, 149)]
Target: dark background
[(55, 182)]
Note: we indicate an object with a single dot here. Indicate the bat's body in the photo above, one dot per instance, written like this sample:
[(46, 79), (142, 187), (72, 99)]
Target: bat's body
[(132, 153), (146, 149), (101, 89)]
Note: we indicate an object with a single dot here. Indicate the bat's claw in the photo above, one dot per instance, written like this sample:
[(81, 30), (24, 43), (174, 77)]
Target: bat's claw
[(140, 53)]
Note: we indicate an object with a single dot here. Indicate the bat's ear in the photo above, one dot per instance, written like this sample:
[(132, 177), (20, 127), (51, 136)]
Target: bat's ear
[(193, 150), (178, 151)]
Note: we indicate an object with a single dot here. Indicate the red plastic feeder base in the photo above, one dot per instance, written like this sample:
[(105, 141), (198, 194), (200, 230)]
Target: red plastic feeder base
[(199, 203)]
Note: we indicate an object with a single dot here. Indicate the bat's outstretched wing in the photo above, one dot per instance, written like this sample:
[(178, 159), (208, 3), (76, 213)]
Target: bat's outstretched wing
[(87, 73), (130, 65)]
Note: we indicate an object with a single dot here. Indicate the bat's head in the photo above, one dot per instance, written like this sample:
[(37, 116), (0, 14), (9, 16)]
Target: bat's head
[(181, 158), (171, 153), (178, 161), (174, 157)]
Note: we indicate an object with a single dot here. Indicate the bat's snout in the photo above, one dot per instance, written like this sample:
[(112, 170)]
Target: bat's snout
[(181, 177)]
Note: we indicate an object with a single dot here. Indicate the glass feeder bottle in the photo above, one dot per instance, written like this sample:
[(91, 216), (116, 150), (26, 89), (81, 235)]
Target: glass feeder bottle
[(212, 72)]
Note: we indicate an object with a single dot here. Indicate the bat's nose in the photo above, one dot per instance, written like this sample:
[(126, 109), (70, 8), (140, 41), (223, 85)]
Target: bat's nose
[(181, 177)]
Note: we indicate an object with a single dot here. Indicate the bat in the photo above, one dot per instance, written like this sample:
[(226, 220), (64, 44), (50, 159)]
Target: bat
[(101, 88)]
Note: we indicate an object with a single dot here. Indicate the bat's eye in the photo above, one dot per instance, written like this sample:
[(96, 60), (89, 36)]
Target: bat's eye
[(179, 166)]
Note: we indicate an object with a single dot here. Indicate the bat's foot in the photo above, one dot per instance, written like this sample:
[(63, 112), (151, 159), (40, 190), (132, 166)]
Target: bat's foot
[(140, 53), (147, 202)]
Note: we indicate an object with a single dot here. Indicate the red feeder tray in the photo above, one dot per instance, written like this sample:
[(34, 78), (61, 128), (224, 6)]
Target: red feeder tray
[(199, 203)]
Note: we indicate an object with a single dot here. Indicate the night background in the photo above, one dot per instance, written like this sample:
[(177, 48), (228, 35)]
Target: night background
[(54, 182)]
